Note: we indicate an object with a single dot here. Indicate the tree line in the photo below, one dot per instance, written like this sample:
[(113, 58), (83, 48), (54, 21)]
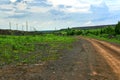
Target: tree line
[(110, 30)]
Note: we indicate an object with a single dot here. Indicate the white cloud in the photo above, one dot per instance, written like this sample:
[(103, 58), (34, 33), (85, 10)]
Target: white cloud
[(11, 10), (114, 5), (81, 6), (92, 1), (6, 6), (36, 9), (29, 0), (89, 23), (76, 9), (21, 6), (61, 2), (76, 5), (13, 1)]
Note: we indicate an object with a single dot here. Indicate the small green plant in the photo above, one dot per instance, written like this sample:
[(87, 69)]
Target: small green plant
[(108, 33), (31, 49)]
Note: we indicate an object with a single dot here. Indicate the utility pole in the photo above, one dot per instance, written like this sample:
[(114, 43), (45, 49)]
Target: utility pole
[(26, 26)]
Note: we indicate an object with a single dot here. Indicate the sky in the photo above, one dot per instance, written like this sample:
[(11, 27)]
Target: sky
[(57, 14)]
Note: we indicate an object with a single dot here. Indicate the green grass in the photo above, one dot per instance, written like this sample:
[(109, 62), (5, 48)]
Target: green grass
[(105, 38), (31, 49)]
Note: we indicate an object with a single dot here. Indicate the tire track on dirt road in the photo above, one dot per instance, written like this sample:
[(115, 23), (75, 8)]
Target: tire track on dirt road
[(80, 61), (110, 53)]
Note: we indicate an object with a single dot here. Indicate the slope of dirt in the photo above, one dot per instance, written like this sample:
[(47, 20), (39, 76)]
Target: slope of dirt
[(82, 62)]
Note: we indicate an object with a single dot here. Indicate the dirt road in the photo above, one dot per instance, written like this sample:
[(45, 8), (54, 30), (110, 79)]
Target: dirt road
[(110, 52), (87, 60)]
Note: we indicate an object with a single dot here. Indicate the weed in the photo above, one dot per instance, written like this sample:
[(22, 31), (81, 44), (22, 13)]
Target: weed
[(31, 49)]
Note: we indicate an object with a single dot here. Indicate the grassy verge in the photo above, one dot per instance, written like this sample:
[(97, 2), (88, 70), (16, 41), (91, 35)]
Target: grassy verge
[(106, 38), (31, 49)]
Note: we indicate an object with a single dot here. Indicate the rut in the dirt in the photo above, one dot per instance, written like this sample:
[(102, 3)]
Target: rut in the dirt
[(110, 52), (82, 62)]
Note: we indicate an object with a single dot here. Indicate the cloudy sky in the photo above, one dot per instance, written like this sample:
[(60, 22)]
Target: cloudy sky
[(51, 14)]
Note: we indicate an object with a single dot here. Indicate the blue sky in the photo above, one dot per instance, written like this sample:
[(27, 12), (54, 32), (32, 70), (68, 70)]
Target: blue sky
[(51, 14)]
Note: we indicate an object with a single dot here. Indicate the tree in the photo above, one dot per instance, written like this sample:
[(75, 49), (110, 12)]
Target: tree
[(117, 28), (101, 31), (110, 30)]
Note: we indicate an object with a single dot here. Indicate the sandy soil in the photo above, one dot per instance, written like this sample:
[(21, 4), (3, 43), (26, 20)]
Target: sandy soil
[(110, 52), (87, 60)]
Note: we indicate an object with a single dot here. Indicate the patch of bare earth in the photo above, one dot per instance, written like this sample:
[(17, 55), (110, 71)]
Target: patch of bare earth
[(82, 62), (110, 52)]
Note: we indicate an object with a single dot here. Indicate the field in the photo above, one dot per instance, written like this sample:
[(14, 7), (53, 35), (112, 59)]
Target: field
[(31, 49), (60, 56)]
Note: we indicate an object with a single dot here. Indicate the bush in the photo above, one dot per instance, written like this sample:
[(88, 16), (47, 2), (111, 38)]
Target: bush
[(117, 28)]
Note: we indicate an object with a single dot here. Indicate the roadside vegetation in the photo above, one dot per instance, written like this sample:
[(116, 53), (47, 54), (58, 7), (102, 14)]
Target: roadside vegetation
[(29, 49), (108, 33)]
